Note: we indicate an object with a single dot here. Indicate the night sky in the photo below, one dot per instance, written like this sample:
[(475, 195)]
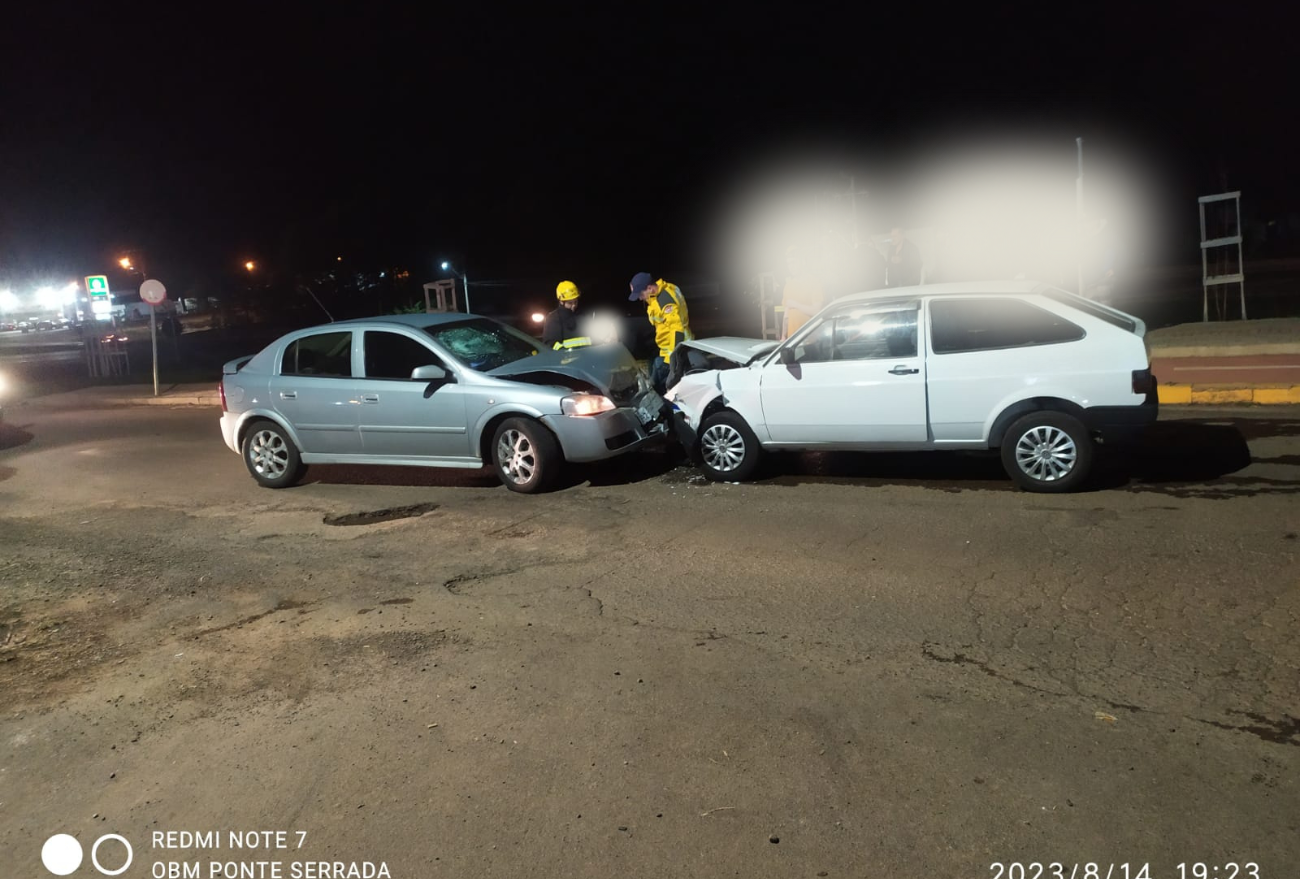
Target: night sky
[(557, 144)]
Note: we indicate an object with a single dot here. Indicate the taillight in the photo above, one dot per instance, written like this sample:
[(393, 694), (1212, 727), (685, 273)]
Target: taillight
[(221, 389), (1143, 382)]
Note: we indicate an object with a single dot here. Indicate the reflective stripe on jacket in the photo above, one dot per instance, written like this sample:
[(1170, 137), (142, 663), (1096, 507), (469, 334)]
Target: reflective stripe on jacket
[(577, 342)]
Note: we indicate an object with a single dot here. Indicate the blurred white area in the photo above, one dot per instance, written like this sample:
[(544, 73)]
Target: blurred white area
[(599, 326), (980, 210)]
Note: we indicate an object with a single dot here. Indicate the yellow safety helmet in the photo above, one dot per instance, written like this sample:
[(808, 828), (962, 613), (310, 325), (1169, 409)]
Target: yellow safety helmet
[(567, 291)]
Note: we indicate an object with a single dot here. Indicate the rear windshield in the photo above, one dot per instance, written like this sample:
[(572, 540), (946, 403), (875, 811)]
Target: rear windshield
[(1087, 306)]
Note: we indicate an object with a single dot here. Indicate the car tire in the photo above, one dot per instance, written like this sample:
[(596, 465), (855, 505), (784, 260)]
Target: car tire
[(526, 455), (727, 449), (1049, 452), (271, 456)]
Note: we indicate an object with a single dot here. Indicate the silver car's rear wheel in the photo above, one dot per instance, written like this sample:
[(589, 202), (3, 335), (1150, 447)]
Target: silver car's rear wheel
[(1047, 451), (271, 456), (526, 455)]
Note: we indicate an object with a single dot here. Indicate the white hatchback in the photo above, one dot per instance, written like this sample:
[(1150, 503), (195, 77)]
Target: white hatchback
[(1032, 370)]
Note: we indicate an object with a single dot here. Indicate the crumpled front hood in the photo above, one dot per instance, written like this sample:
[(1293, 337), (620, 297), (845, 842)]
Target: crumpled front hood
[(734, 348), (610, 368)]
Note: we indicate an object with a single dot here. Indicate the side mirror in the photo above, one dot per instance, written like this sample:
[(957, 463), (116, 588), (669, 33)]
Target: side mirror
[(429, 374), (787, 356)]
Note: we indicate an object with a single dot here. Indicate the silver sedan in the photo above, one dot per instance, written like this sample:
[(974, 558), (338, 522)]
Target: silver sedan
[(434, 390)]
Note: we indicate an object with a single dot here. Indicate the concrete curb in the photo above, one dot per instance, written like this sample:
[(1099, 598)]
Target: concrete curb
[(78, 400), (1278, 395)]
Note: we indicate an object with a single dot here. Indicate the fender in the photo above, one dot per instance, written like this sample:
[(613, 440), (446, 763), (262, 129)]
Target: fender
[(264, 415), (501, 409), (1008, 410)]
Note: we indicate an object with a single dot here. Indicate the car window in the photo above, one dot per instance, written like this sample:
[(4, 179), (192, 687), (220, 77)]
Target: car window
[(324, 354), (393, 355), (959, 325), (483, 344), (1100, 312), (860, 334)]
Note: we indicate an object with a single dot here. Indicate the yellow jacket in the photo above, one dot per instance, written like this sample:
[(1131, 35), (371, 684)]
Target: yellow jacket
[(668, 315)]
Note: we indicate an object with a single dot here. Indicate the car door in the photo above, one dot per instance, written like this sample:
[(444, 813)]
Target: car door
[(402, 417), (985, 350), (855, 376), (316, 392)]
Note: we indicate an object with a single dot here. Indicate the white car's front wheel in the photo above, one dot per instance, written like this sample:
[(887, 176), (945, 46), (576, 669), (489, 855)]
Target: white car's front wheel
[(1047, 452), (728, 450)]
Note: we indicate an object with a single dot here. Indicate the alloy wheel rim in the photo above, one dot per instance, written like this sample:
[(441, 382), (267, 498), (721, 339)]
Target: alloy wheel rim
[(1046, 453), (517, 456), (722, 447), (269, 454)]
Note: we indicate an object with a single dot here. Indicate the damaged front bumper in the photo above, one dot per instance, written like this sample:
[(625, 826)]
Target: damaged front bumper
[(586, 438)]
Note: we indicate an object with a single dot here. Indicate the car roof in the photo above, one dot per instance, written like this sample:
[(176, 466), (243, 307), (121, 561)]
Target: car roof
[(419, 320), (954, 288)]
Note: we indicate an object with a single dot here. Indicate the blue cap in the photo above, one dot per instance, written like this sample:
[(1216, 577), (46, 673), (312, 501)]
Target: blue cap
[(640, 281)]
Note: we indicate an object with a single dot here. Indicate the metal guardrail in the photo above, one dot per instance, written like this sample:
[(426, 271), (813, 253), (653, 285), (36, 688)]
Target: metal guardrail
[(106, 359)]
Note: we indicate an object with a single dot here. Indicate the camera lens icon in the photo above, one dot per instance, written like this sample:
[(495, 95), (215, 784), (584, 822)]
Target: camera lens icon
[(62, 854)]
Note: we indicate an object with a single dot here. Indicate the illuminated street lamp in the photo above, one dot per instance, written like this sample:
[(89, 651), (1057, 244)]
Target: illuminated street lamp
[(125, 262), (448, 267), (538, 317), (250, 265)]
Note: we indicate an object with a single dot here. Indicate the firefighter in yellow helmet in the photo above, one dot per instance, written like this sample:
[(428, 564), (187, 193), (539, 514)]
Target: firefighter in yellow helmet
[(561, 327), (665, 306)]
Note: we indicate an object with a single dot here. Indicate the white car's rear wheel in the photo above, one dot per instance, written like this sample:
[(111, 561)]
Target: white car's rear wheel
[(728, 450), (1047, 452)]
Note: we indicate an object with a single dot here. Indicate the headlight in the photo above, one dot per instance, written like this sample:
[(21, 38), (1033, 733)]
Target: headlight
[(586, 404)]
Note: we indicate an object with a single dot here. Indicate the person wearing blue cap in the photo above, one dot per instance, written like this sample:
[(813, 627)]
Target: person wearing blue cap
[(666, 308)]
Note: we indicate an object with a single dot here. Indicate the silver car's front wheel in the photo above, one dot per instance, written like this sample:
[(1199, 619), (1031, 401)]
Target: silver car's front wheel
[(517, 456), (526, 455), (271, 456), (1047, 451)]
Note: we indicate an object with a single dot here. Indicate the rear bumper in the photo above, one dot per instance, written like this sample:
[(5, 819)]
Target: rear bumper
[(1122, 424), (228, 428)]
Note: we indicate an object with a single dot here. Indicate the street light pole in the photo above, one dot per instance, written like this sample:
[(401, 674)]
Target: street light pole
[(1078, 209), (464, 280)]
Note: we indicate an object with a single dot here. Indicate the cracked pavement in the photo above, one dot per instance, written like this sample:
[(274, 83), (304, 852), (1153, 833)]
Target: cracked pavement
[(889, 664)]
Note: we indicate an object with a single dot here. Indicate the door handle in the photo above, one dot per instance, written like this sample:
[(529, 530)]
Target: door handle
[(903, 370), (288, 395), (369, 398)]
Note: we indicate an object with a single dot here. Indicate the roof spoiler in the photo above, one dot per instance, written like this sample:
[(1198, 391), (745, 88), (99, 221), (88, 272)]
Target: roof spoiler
[(235, 365)]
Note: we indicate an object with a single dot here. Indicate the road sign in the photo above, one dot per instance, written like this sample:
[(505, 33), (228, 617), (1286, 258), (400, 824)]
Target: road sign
[(97, 286), (153, 292)]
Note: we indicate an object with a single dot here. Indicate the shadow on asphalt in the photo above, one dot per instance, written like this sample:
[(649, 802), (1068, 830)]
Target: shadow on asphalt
[(12, 436), (1179, 458), (419, 477), (623, 470)]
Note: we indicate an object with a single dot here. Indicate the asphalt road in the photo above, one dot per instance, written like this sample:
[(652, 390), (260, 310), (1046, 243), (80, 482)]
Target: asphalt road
[(858, 666)]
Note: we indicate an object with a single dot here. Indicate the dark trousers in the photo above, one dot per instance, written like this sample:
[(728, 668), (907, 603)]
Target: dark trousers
[(659, 374)]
